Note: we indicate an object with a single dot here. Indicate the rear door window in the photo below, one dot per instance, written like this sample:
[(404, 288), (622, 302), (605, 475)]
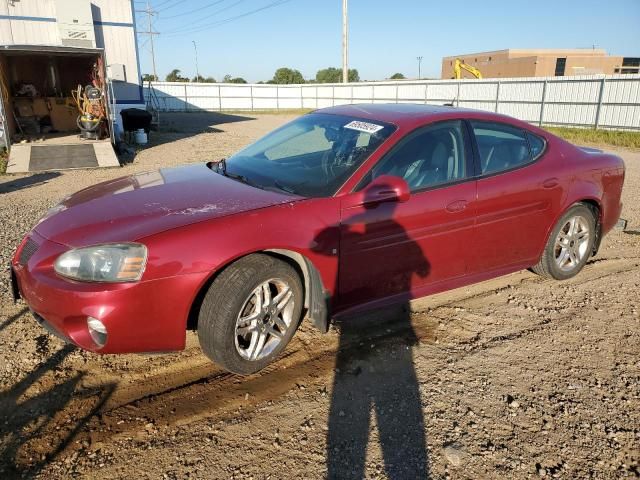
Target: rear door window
[(501, 147)]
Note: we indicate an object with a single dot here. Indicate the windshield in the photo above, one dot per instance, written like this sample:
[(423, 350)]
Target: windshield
[(311, 156)]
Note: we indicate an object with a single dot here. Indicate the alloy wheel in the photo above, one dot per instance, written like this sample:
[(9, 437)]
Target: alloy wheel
[(572, 243), (264, 319)]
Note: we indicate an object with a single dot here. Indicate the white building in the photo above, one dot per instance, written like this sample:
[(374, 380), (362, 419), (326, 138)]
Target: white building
[(50, 47)]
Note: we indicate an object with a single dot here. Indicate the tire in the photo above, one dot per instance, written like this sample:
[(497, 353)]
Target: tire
[(570, 244), (242, 325)]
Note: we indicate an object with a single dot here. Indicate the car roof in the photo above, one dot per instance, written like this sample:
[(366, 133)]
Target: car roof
[(406, 114)]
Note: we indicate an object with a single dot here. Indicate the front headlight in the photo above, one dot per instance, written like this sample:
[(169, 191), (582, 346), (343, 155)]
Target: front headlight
[(117, 262)]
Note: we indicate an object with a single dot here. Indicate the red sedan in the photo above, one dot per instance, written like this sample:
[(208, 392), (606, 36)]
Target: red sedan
[(341, 210)]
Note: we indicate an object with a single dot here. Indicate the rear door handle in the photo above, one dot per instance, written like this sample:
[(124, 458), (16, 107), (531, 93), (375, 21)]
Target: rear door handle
[(457, 206), (550, 183)]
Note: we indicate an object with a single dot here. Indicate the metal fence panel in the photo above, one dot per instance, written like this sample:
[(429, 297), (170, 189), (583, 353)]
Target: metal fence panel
[(586, 101), (529, 112)]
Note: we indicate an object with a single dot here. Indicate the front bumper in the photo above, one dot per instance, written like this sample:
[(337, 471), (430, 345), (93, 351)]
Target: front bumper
[(145, 316)]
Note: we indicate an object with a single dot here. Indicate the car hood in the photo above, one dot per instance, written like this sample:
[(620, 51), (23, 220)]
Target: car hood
[(129, 208)]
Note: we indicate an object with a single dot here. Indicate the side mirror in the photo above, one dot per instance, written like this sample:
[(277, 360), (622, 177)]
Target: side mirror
[(386, 188)]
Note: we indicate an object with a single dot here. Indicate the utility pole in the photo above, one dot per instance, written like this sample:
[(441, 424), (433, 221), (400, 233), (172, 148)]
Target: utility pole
[(419, 67), (150, 13), (195, 47), (345, 43)]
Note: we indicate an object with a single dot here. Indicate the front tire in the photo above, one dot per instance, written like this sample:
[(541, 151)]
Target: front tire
[(250, 313), (570, 244)]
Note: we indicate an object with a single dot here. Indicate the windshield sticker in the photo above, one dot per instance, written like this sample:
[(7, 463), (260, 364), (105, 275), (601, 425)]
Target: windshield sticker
[(364, 127)]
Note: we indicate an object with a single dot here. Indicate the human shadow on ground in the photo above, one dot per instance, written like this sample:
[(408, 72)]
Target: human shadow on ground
[(36, 420), (366, 384)]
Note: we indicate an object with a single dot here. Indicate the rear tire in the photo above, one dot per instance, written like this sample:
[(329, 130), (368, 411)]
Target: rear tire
[(250, 313), (570, 244)]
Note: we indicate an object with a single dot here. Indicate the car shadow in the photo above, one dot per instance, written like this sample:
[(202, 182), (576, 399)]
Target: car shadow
[(368, 382), (26, 182), (32, 430)]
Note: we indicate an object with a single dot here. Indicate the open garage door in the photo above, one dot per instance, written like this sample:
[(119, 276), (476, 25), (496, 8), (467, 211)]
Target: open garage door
[(56, 108)]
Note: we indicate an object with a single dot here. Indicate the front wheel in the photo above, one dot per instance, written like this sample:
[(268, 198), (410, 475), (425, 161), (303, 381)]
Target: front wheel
[(250, 313), (570, 244)]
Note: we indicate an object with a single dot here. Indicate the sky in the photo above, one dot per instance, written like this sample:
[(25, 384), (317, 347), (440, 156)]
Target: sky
[(252, 38)]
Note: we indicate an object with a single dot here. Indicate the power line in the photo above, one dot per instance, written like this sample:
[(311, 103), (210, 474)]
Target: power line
[(190, 25), (193, 11), (175, 4), (170, 6), (230, 19)]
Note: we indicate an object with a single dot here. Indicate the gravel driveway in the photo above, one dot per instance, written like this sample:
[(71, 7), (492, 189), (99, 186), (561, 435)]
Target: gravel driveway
[(517, 377)]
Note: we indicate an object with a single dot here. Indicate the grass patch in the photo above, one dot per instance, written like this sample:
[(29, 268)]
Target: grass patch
[(614, 138)]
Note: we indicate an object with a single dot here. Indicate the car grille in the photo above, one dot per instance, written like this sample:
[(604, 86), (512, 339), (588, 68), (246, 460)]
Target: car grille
[(30, 247)]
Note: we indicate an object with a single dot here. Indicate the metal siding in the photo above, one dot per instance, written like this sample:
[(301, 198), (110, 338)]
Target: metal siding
[(116, 11)]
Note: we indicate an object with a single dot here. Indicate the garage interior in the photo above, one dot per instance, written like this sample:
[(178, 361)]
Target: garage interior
[(55, 108)]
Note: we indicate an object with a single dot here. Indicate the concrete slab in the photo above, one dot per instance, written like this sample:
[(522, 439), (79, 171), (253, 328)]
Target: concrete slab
[(19, 158), (101, 151), (105, 155)]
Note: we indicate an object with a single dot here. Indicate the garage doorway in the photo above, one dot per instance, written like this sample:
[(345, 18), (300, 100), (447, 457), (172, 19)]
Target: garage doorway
[(55, 108)]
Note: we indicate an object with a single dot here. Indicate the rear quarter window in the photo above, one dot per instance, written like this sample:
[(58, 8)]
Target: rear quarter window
[(501, 147), (536, 144)]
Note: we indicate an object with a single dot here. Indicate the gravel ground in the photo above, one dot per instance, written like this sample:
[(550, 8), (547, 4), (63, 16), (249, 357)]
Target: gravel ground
[(517, 377)]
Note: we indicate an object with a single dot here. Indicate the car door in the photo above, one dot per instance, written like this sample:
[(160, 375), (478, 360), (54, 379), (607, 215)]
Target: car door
[(401, 249), (518, 195)]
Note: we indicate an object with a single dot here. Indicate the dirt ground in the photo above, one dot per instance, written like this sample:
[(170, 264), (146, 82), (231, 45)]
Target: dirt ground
[(517, 377)]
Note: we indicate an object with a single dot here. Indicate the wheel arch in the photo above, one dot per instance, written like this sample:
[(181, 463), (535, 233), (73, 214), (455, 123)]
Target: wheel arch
[(594, 205), (316, 301)]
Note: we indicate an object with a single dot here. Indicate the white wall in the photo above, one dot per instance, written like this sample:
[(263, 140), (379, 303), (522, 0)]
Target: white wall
[(607, 102)]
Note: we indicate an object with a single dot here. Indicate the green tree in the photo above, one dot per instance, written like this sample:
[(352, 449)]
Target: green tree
[(201, 79), (149, 77), (174, 76), (229, 79), (284, 76), (397, 76), (334, 75)]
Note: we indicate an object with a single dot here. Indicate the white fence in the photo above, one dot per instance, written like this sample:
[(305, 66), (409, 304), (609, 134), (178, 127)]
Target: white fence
[(582, 101)]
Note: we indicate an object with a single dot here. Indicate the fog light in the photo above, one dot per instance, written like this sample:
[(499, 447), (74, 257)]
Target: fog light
[(97, 330)]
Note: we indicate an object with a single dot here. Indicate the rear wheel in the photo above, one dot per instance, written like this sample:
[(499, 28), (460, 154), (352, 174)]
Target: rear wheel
[(570, 244), (250, 313)]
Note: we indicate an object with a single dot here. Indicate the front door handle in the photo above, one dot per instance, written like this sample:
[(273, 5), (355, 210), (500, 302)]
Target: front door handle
[(550, 183), (457, 206)]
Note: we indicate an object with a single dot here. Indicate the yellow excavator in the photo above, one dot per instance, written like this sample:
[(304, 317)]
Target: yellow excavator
[(459, 65)]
